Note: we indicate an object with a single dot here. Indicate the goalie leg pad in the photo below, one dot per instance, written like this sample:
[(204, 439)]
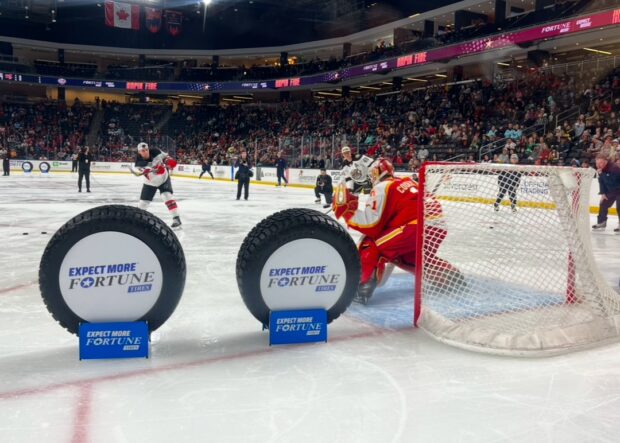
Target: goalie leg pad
[(370, 258), (143, 204)]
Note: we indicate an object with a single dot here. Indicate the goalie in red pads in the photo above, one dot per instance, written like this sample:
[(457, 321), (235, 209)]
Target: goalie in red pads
[(153, 165), (389, 224)]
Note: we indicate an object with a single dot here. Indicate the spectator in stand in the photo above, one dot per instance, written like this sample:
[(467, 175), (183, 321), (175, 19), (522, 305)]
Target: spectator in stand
[(609, 184), (324, 186), (243, 175), (504, 157), (280, 169), (422, 154)]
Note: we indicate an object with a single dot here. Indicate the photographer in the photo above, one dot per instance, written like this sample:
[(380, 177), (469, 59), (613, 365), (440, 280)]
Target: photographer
[(324, 186)]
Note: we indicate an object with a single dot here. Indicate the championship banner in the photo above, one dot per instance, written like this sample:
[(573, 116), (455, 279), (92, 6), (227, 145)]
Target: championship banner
[(122, 15), (153, 19), (174, 23)]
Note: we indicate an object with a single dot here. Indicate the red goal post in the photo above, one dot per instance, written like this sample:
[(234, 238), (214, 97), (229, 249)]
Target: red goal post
[(520, 282)]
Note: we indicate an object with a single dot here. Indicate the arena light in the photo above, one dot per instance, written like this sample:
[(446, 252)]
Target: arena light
[(370, 87), (206, 2), (503, 64), (441, 75), (329, 93), (414, 15), (597, 51), (243, 97), (234, 100), (417, 79)]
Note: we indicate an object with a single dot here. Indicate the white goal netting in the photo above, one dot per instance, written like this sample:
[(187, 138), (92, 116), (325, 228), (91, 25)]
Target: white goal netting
[(515, 276)]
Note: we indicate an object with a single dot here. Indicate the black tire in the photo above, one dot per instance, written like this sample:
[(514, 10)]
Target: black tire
[(27, 166), (44, 167), (276, 231), (157, 237)]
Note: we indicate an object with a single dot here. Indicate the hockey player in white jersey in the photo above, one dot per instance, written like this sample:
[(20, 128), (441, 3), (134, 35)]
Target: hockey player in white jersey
[(154, 165)]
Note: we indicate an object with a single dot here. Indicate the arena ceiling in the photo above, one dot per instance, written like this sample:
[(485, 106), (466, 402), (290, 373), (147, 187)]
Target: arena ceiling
[(227, 24)]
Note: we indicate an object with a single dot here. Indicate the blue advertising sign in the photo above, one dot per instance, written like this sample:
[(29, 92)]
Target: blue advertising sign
[(114, 340), (305, 326)]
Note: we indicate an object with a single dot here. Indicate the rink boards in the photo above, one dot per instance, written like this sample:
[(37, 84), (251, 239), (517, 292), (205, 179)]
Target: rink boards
[(531, 193)]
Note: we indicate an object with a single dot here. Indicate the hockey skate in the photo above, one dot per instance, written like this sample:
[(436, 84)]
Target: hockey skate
[(365, 291), (176, 222), (617, 231), (600, 226), (318, 200)]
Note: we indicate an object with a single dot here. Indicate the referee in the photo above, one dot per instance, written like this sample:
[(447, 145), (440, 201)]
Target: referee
[(84, 160)]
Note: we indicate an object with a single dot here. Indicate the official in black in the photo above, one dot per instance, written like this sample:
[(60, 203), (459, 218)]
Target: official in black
[(6, 163), (280, 168), (74, 162), (84, 161), (324, 186), (243, 175)]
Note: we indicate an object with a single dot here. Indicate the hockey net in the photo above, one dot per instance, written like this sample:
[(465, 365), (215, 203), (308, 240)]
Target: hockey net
[(520, 282)]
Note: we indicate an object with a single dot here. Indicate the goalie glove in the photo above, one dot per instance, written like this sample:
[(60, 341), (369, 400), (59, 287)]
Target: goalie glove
[(345, 202)]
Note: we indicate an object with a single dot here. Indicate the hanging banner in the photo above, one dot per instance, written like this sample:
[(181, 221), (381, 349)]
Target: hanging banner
[(153, 19), (174, 23)]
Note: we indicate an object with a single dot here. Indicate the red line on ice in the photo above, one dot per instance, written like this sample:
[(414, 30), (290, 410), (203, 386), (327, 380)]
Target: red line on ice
[(15, 288), (82, 414), (88, 382)]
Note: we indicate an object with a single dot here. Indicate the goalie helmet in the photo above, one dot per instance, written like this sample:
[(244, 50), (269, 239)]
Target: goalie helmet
[(381, 168), (143, 147)]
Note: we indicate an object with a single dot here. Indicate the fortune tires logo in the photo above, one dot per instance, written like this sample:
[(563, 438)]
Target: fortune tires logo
[(314, 276), (87, 282), (124, 274)]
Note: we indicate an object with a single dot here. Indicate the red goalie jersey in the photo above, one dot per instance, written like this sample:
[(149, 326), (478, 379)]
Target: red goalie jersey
[(392, 204), (389, 222)]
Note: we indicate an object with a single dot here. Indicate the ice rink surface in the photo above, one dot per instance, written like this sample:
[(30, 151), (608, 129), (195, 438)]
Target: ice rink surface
[(212, 376)]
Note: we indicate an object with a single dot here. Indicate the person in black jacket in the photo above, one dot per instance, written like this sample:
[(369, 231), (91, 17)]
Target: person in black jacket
[(508, 182), (84, 161), (206, 167), (243, 174), (324, 186), (6, 163), (609, 184), (280, 167)]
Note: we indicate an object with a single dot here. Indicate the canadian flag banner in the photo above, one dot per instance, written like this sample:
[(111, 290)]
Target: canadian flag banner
[(122, 15)]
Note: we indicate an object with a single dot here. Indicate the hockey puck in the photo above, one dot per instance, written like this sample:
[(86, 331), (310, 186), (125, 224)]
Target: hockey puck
[(112, 264), (43, 232), (298, 259), (24, 233)]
